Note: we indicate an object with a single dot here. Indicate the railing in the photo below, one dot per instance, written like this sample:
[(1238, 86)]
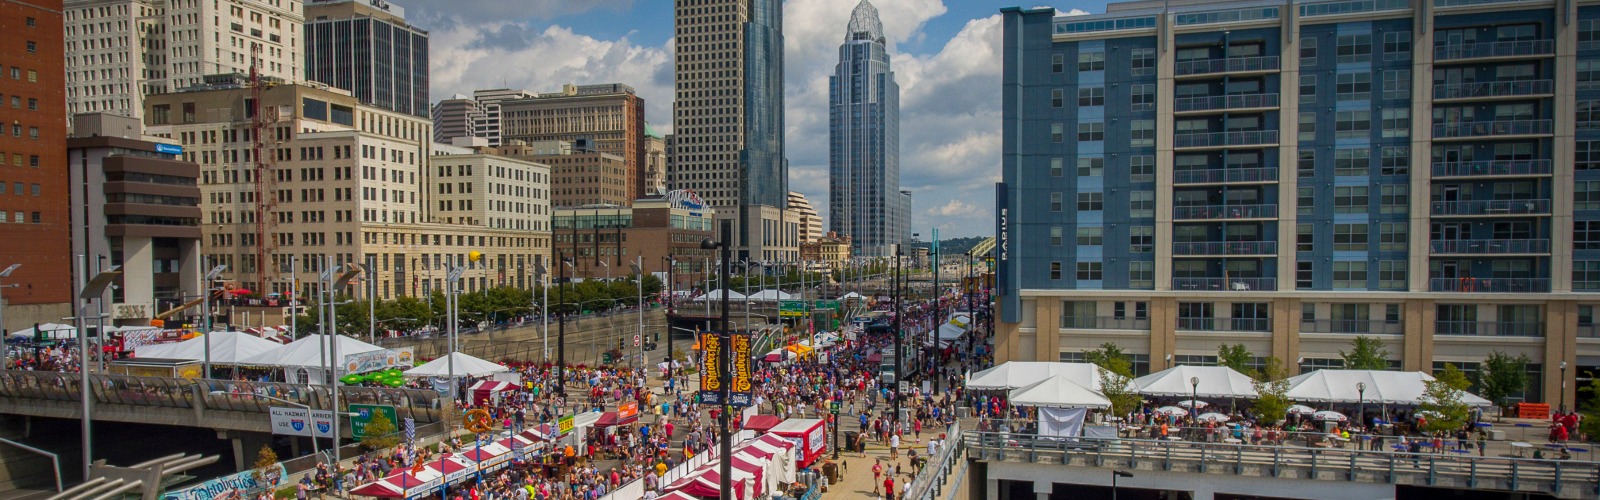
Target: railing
[(1493, 89), (1213, 212), (928, 481), (1489, 247), (1565, 478), (1491, 167), (1219, 102), (1490, 128), (1225, 284), (1362, 326), (1220, 175), (1477, 50), (1225, 248), (1225, 324), (1226, 65), (1220, 139), (1491, 285), (1489, 328), (1105, 323), (1589, 331), (1492, 207), (226, 395)]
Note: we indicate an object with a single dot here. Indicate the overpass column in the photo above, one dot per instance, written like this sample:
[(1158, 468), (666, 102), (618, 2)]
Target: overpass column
[(246, 445), (1042, 489)]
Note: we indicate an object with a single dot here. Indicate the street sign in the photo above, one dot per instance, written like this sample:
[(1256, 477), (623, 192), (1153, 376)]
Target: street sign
[(905, 387), (296, 422), (791, 308), (636, 340), (834, 407), (361, 415)]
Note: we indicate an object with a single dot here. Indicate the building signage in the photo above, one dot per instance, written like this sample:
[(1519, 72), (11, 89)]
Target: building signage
[(627, 410), (381, 359), (298, 422), (564, 425), (685, 199), (169, 149)]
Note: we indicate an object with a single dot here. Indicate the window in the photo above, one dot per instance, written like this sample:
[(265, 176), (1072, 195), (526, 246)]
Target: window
[(1142, 133), (1393, 198), (1396, 122), (1055, 236), (1055, 270), (1141, 204), (1091, 167), (1306, 163), (1141, 275), (1350, 275), (1348, 162), (1395, 160), (1058, 99), (1587, 155), (1350, 237), (33, 47), (1355, 48), (1392, 236), (31, 22), (1057, 133), (1055, 202), (1055, 167), (1092, 60), (1586, 195), (1304, 276), (1308, 51), (1089, 271), (1397, 84), (1143, 62), (1588, 74), (1516, 33), (1588, 34), (1397, 46), (1196, 316), (1251, 317), (1142, 97), (1308, 126), (1142, 168), (1353, 86), (1091, 236), (1353, 124), (1142, 239), (1305, 200), (1091, 96), (1308, 89), (1091, 132), (1350, 199), (1586, 275), (1586, 235), (1058, 63), (1305, 238), (1091, 201), (1588, 114)]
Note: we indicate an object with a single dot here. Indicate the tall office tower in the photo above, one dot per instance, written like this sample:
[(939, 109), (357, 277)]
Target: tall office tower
[(864, 139), (606, 118), (1297, 174), (119, 51), (728, 119), (366, 47), (33, 166), (810, 222)]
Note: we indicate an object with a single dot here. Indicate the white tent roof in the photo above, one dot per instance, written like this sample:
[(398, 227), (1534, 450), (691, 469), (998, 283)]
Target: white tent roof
[(227, 348), (955, 327), (307, 352), (1383, 387), (51, 331), (851, 295), (1015, 374), (717, 295), (768, 295), (1058, 391), (466, 366), (1215, 382)]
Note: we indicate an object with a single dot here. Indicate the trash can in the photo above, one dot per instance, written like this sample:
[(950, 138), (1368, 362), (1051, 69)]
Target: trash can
[(830, 470), (850, 440)]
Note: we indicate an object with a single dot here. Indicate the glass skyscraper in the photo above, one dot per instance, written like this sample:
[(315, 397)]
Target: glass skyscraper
[(864, 199), (367, 47)]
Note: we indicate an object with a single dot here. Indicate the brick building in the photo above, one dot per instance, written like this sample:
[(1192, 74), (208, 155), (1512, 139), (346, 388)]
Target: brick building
[(33, 173)]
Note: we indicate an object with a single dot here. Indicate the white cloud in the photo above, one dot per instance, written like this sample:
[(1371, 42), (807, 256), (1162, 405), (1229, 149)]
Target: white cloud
[(953, 208)]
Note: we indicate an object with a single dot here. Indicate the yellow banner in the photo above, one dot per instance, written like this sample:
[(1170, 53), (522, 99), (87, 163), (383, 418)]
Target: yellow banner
[(742, 384), (711, 367), (564, 425)]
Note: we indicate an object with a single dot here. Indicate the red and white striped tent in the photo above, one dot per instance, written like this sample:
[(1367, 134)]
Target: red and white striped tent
[(406, 484), (490, 457), (758, 465)]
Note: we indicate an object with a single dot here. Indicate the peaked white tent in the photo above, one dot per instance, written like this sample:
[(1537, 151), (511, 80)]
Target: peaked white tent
[(957, 326), (768, 295), (52, 331), (227, 348), (1058, 391), (717, 295), (1382, 387), (1215, 382), (851, 295), (465, 366), (303, 358), (1015, 374)]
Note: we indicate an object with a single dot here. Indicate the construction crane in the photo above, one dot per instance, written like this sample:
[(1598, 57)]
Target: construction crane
[(266, 198)]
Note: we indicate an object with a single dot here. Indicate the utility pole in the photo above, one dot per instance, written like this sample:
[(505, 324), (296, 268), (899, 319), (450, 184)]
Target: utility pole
[(938, 309), (899, 377), (561, 341)]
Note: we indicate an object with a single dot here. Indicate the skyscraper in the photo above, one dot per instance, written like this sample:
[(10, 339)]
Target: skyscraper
[(864, 140), (366, 47)]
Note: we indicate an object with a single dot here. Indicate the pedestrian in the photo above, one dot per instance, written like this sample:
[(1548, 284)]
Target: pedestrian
[(1483, 441), (877, 475), (894, 446)]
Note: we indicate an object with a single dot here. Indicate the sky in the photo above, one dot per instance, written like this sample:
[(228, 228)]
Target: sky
[(945, 54)]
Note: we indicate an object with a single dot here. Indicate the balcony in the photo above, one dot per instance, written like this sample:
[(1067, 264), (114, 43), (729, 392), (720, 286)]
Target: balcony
[(1492, 90), (1225, 102), (1490, 285), (1224, 212), (1227, 65), (1358, 326), (1104, 323), (1225, 324), (1490, 247), (1491, 128), (1192, 248), (1494, 50), (1225, 176), (1492, 207), (1491, 168), (1261, 138), (1225, 284), (1489, 328)]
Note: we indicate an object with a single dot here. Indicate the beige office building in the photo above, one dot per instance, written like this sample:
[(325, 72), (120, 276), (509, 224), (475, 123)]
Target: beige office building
[(605, 119)]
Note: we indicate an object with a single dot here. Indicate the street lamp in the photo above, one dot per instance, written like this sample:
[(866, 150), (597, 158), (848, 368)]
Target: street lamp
[(93, 289), (1114, 475), (4, 355), (671, 298), (561, 327), (724, 373), (1361, 401), (205, 311), (541, 274), (638, 278), (1194, 396), (899, 378), (1563, 407)]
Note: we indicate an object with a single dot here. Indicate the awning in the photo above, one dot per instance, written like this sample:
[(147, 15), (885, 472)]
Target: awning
[(761, 423), (612, 419), (1382, 387), (1215, 382)]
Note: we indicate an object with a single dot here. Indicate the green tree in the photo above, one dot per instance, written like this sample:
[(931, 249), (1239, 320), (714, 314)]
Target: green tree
[(1272, 392), (380, 433), (1502, 375), (1110, 357), (1119, 390), (1588, 403), (1236, 356), (1366, 353), (1442, 397), (265, 470)]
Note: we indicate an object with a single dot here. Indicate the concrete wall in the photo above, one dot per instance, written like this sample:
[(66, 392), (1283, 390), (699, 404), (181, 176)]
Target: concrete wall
[(1203, 486)]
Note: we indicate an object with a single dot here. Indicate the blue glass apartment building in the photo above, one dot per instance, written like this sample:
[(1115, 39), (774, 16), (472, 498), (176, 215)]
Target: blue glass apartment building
[(864, 198), (1288, 175)]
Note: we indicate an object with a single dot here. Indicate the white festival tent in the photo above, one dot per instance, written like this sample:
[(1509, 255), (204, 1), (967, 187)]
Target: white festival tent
[(768, 295), (717, 295), (1016, 374), (851, 295), (227, 348), (303, 358), (1215, 382), (52, 331), (955, 327), (1382, 387), (1058, 392), (465, 366)]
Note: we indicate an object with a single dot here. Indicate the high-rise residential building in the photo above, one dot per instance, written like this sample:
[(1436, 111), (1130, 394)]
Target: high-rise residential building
[(1290, 176), (577, 177), (366, 47), (118, 51), (475, 116), (605, 118), (864, 139), (810, 222), (728, 121), (33, 166)]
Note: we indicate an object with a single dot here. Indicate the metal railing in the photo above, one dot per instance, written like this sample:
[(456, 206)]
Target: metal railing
[(1493, 89), (1225, 248), (1490, 285), (1490, 128), (1104, 323), (1540, 206), (1220, 102), (1221, 139), (1213, 212), (1458, 51), (1226, 65), (1225, 324), (1221, 175), (1491, 167), (1225, 284), (928, 481), (1489, 247), (225, 395), (1489, 328), (1360, 326)]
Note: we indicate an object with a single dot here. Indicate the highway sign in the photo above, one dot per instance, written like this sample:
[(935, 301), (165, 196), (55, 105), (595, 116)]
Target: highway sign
[(361, 415)]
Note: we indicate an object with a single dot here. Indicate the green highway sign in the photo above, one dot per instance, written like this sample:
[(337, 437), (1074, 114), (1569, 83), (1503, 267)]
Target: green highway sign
[(361, 415), (791, 308)]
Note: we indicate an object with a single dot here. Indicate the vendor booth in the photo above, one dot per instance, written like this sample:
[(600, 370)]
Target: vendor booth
[(1015, 374), (1380, 387), (302, 360), (809, 436), (1215, 382), (486, 391), (1063, 404), (227, 348)]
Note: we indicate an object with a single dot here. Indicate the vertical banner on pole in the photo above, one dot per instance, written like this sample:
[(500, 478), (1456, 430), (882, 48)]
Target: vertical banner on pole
[(742, 393), (710, 368)]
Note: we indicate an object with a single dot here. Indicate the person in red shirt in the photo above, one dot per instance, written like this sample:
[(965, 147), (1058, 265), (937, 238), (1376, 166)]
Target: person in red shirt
[(888, 487)]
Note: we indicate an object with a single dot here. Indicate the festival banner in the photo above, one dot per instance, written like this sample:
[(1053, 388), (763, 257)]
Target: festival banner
[(237, 486), (743, 384), (710, 368), (564, 425), (382, 359), (627, 410)]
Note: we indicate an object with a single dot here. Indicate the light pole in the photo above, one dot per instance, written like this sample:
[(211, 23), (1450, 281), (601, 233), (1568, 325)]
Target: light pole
[(92, 289), (372, 301), (638, 279), (1563, 407), (1361, 402), (1194, 397), (5, 358), (351, 271), (452, 287), (561, 327), (205, 312), (541, 274), (899, 378), (1114, 475), (724, 372), (671, 298)]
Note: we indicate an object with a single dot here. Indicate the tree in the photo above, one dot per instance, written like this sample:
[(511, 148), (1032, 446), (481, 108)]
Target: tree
[(1442, 398), (1272, 392), (1366, 353), (380, 433), (1236, 356), (1116, 377), (1589, 404), (1110, 357), (265, 471), (1502, 375)]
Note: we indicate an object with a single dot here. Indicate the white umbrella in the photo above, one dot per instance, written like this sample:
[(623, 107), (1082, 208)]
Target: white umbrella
[(1193, 404), (1301, 410), (1326, 415), (1212, 417), (1171, 410)]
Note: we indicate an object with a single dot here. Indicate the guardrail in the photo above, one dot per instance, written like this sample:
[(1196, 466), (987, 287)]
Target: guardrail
[(928, 481), (224, 395)]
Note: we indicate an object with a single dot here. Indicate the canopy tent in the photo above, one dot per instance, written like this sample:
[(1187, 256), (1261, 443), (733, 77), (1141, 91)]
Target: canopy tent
[(1215, 382), (484, 390), (762, 423), (851, 295), (1058, 391), (768, 295), (955, 327), (51, 331), (1382, 387), (303, 358), (227, 348), (777, 355), (408, 484), (717, 295), (1015, 374), (465, 366)]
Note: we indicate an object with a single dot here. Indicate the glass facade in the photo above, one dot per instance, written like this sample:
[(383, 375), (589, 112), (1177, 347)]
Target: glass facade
[(382, 63), (864, 142)]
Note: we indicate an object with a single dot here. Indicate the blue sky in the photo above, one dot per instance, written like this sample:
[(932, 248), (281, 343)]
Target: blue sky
[(945, 56)]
